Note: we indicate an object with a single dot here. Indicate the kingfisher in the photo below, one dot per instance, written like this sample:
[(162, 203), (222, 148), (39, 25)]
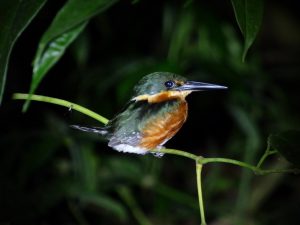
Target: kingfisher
[(154, 114)]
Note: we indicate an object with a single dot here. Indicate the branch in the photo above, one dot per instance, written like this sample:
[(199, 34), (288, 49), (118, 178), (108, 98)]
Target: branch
[(57, 101), (199, 159)]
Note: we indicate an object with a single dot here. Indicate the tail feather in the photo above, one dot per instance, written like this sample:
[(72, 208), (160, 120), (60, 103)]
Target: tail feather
[(98, 130)]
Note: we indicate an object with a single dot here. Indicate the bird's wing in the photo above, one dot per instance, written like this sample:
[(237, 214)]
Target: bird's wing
[(132, 140), (125, 126)]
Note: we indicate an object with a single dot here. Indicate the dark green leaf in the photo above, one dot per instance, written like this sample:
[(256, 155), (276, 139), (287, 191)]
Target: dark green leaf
[(15, 15), (180, 36), (248, 14), (288, 144), (73, 13), (54, 52), (104, 202), (66, 26)]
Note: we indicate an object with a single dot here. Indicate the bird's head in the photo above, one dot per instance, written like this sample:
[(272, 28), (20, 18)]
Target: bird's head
[(163, 86)]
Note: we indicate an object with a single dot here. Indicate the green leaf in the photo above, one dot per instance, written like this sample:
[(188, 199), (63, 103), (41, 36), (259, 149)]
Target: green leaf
[(180, 36), (15, 15), (105, 202), (66, 26), (288, 144), (73, 13), (54, 52), (248, 14)]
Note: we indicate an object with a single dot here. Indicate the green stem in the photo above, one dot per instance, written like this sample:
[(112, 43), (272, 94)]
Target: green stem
[(264, 156), (255, 169), (229, 161), (200, 161), (41, 98), (200, 195), (176, 152)]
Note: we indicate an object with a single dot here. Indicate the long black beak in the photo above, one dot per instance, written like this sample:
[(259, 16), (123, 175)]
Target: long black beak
[(198, 86)]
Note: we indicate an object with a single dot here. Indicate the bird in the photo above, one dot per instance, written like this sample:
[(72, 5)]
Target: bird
[(154, 114)]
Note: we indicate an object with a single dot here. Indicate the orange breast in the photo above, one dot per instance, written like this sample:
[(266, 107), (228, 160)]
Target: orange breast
[(160, 130)]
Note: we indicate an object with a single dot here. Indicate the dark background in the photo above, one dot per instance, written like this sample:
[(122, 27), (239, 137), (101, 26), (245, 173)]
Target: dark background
[(51, 174)]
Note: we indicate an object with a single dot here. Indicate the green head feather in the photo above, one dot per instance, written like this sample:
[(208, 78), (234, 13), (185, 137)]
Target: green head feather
[(155, 82)]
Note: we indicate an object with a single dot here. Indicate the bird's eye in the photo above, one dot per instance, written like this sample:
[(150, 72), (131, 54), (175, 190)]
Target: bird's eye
[(169, 84)]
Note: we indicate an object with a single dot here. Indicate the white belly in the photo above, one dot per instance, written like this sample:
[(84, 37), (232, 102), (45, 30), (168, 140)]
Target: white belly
[(130, 149)]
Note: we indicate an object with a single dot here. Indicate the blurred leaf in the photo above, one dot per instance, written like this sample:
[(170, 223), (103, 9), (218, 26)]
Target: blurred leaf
[(248, 126), (180, 36), (212, 41), (41, 151), (248, 14), (177, 195), (15, 15), (129, 169), (81, 49), (135, 1), (85, 165), (127, 196), (104, 202), (288, 144), (66, 26)]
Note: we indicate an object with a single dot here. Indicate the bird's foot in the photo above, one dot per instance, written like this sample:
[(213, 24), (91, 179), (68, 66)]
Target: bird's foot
[(158, 154)]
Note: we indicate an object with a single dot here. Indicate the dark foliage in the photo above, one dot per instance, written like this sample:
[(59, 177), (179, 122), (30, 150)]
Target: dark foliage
[(51, 174)]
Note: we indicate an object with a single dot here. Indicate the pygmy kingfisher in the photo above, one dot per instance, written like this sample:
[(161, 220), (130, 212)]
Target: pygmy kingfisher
[(154, 114)]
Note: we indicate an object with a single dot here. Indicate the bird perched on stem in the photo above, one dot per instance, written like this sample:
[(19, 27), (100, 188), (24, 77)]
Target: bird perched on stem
[(154, 114)]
